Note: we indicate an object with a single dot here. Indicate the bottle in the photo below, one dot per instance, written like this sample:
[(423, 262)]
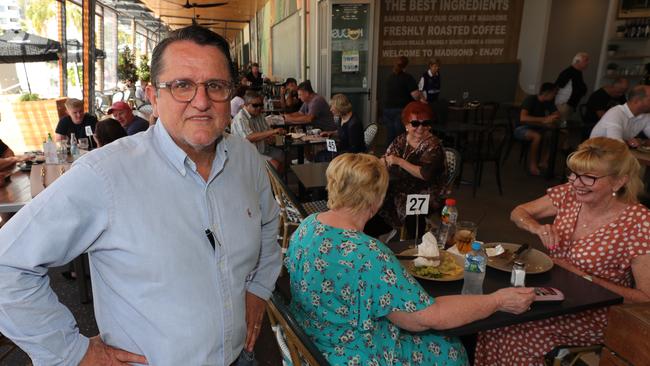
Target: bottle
[(448, 219), (475, 262), (518, 276), (49, 150), (74, 148)]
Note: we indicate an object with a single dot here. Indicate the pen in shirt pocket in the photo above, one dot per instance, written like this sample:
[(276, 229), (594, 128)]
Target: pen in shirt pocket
[(211, 237)]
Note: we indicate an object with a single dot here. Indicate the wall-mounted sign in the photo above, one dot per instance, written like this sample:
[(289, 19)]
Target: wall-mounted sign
[(455, 31), (350, 61)]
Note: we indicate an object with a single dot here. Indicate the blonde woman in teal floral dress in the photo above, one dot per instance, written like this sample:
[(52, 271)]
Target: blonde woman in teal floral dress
[(354, 299)]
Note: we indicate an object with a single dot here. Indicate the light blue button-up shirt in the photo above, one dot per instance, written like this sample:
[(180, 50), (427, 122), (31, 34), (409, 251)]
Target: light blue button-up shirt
[(140, 209)]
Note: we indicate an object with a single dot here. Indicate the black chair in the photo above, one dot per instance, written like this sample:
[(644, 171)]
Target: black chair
[(513, 122), (488, 113), (487, 148)]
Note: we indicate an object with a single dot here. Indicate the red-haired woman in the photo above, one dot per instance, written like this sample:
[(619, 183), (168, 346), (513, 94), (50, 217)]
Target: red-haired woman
[(416, 164)]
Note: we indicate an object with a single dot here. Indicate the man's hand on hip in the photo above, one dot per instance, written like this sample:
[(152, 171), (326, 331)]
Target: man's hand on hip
[(255, 307), (99, 354)]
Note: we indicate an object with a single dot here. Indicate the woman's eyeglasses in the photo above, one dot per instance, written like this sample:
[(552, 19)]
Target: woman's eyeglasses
[(185, 90), (426, 123), (586, 179)]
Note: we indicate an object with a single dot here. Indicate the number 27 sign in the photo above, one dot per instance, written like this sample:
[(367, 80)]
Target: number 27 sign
[(417, 204)]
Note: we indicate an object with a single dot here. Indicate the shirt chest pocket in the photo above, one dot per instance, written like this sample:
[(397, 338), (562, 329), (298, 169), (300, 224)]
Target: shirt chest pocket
[(239, 221)]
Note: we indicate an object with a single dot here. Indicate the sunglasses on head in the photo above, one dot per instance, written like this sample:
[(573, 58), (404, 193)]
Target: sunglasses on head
[(425, 123), (257, 105)]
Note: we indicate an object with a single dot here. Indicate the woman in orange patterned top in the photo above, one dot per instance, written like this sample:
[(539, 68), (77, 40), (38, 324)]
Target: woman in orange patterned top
[(600, 232)]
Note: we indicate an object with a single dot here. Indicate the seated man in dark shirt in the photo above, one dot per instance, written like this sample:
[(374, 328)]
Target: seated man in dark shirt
[(537, 110), (75, 122), (131, 123), (603, 99), (255, 78), (289, 100), (314, 111)]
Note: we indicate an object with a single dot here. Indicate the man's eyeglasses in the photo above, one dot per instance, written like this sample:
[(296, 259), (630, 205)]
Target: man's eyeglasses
[(185, 90), (586, 179), (425, 123), (257, 105)]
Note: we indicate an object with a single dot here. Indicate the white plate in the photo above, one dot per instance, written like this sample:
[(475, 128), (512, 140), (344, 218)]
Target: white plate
[(408, 264)]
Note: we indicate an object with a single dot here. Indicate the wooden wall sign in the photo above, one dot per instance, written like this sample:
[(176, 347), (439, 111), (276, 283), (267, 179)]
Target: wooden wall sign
[(454, 31)]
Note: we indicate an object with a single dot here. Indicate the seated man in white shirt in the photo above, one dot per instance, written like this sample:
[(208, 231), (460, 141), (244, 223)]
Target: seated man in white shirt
[(251, 125), (625, 122)]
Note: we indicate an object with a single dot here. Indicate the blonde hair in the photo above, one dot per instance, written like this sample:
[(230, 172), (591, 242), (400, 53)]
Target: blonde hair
[(356, 181), (611, 157), (73, 103), (341, 103)]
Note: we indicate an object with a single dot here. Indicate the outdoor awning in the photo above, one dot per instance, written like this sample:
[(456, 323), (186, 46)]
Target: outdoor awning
[(19, 46)]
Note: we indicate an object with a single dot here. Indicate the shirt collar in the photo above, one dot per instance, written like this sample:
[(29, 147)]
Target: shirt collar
[(627, 111), (179, 159)]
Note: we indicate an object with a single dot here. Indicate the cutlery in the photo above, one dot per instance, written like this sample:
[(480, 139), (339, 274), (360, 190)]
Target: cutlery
[(519, 253)]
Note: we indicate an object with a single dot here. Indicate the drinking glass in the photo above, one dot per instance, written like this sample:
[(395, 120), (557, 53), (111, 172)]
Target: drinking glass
[(464, 236), (62, 151)]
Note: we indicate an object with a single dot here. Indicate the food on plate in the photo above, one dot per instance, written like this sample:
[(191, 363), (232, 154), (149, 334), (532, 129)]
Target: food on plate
[(428, 248), (447, 268)]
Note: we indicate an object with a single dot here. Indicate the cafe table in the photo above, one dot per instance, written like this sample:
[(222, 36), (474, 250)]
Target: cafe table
[(310, 176), (15, 192), (580, 295)]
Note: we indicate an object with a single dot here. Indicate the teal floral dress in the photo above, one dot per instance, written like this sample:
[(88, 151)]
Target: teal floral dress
[(343, 285)]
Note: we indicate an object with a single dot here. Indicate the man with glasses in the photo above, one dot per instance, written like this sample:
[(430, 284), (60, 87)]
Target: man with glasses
[(625, 122), (179, 223), (251, 125)]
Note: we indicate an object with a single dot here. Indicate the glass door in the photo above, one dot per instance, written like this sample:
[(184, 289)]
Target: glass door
[(350, 56)]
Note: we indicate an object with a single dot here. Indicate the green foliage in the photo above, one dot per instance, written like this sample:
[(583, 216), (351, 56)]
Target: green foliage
[(144, 70), (73, 13), (39, 12), (71, 78), (126, 69), (123, 37), (29, 97)]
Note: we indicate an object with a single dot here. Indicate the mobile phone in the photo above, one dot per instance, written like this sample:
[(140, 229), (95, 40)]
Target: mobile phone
[(548, 294)]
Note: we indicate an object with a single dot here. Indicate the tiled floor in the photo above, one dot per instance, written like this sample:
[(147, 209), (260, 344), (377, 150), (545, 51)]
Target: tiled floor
[(491, 209)]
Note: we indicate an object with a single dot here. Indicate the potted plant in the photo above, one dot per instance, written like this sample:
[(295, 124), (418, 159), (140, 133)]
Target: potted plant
[(612, 49), (126, 68), (611, 69)]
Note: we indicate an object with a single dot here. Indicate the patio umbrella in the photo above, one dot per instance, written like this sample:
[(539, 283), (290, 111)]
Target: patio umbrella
[(20, 46)]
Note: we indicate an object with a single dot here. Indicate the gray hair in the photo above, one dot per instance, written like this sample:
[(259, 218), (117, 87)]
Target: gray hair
[(194, 33), (250, 96), (579, 57)]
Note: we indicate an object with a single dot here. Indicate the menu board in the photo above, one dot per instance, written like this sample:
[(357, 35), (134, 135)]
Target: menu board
[(454, 31)]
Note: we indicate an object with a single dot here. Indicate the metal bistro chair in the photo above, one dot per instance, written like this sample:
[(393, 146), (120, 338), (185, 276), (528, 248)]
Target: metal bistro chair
[(454, 162), (292, 212), (513, 122), (369, 134), (296, 347)]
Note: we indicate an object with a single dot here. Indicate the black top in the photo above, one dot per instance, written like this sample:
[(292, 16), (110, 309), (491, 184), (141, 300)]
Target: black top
[(66, 127), (137, 125), (431, 86), (536, 108), (3, 148), (578, 86), (351, 136), (256, 82), (398, 90), (600, 101)]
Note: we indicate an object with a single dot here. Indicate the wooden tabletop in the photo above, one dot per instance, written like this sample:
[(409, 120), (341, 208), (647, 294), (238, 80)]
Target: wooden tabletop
[(15, 193), (311, 175), (580, 295)]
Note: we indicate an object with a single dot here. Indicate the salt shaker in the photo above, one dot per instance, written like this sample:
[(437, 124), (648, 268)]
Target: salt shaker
[(518, 277)]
